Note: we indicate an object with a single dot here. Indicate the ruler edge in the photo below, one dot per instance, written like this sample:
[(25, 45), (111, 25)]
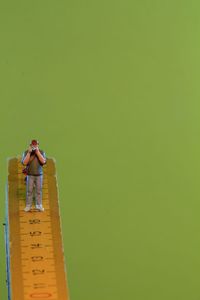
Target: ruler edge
[(7, 242)]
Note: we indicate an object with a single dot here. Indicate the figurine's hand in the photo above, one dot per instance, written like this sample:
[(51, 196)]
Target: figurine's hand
[(36, 149), (29, 149)]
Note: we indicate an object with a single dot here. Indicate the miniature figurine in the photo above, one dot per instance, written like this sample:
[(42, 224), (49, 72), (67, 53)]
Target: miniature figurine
[(34, 159)]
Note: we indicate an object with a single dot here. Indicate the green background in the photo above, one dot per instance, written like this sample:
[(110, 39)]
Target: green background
[(111, 90)]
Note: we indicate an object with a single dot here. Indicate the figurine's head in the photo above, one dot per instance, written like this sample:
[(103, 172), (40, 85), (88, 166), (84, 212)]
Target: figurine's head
[(34, 144)]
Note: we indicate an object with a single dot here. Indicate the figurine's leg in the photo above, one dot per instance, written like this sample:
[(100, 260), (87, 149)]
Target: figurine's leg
[(38, 189), (34, 193), (29, 190)]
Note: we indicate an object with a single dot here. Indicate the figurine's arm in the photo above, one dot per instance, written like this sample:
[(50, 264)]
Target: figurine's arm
[(41, 158), (26, 158)]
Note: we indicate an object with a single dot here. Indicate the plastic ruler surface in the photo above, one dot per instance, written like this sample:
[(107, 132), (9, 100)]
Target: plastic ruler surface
[(36, 259)]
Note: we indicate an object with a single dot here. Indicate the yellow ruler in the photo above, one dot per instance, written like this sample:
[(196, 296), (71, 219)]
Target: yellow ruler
[(36, 263)]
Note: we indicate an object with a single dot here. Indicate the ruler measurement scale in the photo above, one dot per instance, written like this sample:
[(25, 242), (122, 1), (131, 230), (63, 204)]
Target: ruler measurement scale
[(37, 262)]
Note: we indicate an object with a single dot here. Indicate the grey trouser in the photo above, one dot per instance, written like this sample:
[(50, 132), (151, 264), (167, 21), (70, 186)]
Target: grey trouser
[(34, 181)]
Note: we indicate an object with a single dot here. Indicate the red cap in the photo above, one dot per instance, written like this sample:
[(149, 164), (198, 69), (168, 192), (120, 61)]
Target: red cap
[(34, 142)]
